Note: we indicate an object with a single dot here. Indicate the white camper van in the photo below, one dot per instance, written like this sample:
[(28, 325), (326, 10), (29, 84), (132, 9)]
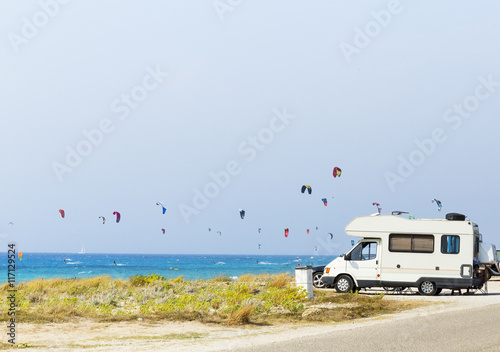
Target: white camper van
[(399, 252)]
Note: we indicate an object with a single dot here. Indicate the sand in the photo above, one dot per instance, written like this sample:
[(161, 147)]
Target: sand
[(140, 335)]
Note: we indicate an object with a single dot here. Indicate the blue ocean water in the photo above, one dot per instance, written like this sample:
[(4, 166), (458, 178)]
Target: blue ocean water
[(192, 267)]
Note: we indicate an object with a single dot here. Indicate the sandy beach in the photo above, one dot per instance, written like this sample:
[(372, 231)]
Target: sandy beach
[(85, 335)]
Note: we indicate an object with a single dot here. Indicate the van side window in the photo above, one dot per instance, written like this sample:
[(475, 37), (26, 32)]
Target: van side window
[(364, 251), (450, 244), (411, 243)]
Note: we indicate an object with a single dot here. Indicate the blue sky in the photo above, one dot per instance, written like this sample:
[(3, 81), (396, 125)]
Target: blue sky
[(116, 105)]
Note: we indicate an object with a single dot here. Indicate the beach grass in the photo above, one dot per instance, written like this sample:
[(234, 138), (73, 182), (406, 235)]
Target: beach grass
[(261, 299)]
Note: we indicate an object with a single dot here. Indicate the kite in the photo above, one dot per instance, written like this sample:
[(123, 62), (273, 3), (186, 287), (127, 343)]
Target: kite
[(378, 207), (325, 201), (259, 245), (103, 219), (10, 223), (220, 233), (331, 235), (259, 229), (163, 208), (337, 171), (438, 202), (163, 230), (209, 229), (286, 231), (20, 256), (242, 213), (411, 217), (316, 227), (118, 216), (316, 248), (309, 189), (62, 213), (308, 231)]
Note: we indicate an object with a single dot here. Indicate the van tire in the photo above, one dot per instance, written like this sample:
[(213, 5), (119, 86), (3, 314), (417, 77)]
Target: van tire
[(427, 288), (344, 284), (317, 280)]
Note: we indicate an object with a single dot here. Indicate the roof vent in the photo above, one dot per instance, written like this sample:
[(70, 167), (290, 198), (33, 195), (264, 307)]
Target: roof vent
[(398, 212), (455, 217)]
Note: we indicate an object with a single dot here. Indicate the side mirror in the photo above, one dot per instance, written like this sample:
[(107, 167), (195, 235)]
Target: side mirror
[(347, 256)]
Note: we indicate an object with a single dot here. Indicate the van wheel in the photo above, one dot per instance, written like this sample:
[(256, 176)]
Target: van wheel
[(317, 280), (344, 284), (427, 288)]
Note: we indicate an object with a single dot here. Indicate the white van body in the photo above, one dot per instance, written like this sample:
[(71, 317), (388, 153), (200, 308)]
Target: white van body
[(399, 252)]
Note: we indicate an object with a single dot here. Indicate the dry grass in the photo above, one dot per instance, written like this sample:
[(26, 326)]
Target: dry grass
[(264, 299), (281, 280), (241, 316)]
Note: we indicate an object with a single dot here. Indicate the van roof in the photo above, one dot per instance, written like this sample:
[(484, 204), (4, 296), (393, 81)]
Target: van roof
[(367, 226)]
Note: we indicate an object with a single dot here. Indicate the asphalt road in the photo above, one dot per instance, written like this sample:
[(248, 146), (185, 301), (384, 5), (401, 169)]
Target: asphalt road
[(475, 329)]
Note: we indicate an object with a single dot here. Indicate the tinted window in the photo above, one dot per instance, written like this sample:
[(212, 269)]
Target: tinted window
[(400, 243), (356, 253), (364, 251), (411, 243), (422, 244), (450, 244), (369, 251)]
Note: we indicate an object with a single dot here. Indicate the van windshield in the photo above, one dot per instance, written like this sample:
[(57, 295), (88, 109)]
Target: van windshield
[(364, 251)]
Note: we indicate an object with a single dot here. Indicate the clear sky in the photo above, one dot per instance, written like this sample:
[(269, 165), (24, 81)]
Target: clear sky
[(215, 106)]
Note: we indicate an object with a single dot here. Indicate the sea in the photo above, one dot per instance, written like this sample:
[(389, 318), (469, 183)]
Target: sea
[(190, 267)]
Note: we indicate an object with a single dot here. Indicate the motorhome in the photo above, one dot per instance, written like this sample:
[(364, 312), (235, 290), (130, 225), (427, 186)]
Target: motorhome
[(397, 252)]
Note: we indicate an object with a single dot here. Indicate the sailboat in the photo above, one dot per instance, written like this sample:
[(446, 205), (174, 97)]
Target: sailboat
[(82, 251)]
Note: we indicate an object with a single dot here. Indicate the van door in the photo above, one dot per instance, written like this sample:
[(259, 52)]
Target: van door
[(363, 263)]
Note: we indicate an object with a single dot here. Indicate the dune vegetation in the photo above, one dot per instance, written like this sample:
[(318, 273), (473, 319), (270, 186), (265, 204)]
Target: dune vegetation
[(257, 299)]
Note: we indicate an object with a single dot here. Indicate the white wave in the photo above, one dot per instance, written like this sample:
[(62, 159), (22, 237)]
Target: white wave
[(267, 263), (220, 263), (120, 264), (73, 263)]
